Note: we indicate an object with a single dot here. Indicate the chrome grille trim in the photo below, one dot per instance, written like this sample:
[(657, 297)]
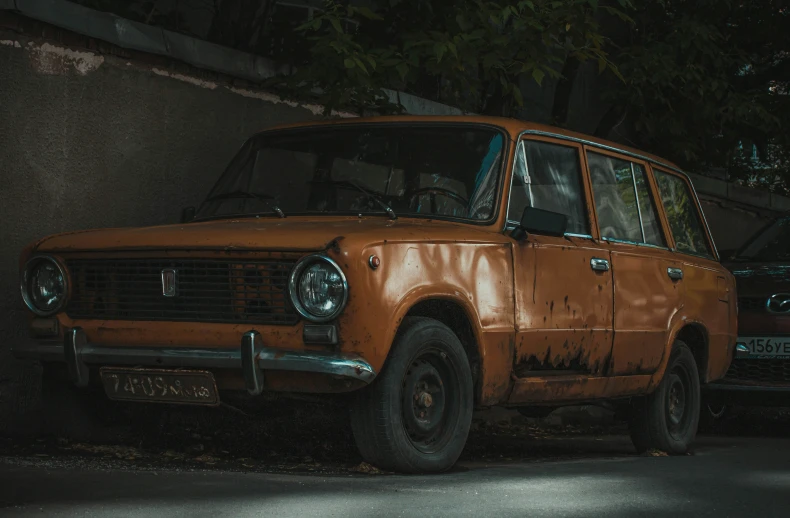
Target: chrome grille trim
[(209, 290)]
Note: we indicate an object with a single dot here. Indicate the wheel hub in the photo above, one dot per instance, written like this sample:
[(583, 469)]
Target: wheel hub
[(678, 401), (426, 401)]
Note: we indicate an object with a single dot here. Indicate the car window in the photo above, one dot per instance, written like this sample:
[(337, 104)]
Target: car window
[(423, 170), (548, 176), (647, 207), (684, 219), (625, 208)]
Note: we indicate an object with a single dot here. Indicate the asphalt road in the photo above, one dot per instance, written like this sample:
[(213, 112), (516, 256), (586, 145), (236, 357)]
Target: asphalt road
[(726, 477)]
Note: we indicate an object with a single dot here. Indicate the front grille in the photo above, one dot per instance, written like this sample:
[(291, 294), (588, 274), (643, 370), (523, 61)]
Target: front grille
[(254, 292), (753, 304), (765, 371)]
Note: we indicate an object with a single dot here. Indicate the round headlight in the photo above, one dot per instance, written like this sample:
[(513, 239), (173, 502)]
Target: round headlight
[(318, 288), (44, 285)]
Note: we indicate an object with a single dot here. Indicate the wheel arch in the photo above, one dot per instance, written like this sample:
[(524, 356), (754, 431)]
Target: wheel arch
[(695, 335), (457, 313), (455, 316)]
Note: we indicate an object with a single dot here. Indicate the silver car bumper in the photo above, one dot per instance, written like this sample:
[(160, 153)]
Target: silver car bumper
[(251, 357)]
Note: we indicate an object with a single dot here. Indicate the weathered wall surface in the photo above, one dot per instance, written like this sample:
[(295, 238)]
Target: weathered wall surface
[(733, 212), (96, 141), (730, 224)]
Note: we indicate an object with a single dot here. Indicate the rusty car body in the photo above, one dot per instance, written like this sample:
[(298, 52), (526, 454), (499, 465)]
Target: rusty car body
[(423, 265), (760, 372)]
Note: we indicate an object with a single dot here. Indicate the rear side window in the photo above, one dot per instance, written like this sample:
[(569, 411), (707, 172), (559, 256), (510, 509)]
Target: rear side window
[(548, 176), (625, 208), (684, 220)]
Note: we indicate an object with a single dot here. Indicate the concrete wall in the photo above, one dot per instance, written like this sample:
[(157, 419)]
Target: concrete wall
[(96, 141)]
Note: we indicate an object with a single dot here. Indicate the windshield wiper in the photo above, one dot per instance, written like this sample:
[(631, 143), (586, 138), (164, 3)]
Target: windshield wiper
[(370, 196), (265, 198)]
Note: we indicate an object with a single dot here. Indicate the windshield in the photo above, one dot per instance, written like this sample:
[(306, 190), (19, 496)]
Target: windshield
[(770, 244), (426, 170)]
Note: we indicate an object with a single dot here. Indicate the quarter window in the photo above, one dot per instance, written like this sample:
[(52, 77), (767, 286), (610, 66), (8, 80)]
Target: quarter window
[(626, 211), (548, 176), (684, 220)]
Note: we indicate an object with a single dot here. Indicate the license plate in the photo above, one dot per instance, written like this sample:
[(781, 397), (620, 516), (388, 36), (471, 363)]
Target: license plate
[(767, 347), (160, 386)]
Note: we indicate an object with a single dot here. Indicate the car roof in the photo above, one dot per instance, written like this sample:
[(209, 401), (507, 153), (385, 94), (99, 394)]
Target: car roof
[(513, 126)]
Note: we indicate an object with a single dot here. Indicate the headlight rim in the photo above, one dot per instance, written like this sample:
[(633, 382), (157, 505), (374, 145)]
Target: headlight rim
[(293, 287), (24, 282)]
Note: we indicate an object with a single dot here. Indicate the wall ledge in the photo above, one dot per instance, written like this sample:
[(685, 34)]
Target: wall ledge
[(747, 197), (137, 36)]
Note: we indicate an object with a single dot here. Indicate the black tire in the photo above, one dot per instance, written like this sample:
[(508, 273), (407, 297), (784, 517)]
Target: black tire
[(667, 419), (429, 368)]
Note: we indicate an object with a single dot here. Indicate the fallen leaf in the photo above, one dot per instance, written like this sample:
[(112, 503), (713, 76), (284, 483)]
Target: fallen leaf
[(656, 453), (364, 467)]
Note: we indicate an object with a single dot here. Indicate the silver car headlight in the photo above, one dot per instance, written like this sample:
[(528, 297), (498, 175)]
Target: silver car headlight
[(318, 288), (44, 285)]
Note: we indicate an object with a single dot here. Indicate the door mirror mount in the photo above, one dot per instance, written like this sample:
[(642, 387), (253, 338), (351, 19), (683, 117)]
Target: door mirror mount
[(541, 222)]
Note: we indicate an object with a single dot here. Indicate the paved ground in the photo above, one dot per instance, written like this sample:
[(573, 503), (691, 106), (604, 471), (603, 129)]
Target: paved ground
[(727, 477)]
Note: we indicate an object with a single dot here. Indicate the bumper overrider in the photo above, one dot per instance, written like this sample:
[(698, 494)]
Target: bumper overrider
[(251, 357)]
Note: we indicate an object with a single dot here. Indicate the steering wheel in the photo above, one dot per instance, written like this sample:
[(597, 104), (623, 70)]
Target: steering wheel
[(441, 191)]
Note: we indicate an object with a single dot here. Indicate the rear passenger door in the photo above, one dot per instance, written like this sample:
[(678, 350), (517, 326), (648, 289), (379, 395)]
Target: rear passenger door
[(648, 288)]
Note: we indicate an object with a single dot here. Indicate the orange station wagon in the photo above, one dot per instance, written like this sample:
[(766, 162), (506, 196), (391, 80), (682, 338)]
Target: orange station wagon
[(423, 265)]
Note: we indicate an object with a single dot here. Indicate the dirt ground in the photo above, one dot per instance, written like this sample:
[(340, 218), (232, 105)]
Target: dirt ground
[(286, 436)]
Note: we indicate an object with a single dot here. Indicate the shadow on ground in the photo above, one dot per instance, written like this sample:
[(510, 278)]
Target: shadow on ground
[(289, 436)]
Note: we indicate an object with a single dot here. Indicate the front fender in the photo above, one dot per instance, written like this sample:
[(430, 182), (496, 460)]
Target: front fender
[(475, 276)]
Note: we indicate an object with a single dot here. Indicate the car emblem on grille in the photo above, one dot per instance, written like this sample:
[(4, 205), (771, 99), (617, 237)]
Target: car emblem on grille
[(778, 303), (169, 282)]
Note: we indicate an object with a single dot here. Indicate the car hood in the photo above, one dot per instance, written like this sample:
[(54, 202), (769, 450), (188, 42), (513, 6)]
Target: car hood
[(288, 234), (760, 279)]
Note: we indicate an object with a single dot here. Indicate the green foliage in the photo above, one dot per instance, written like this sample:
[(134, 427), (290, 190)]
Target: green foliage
[(468, 51), (696, 81), (699, 78), (691, 79)]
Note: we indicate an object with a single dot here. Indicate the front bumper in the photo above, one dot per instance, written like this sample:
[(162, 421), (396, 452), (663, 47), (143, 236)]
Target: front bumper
[(250, 357)]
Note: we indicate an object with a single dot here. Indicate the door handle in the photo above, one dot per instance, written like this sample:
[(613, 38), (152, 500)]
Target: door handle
[(675, 273), (599, 265)]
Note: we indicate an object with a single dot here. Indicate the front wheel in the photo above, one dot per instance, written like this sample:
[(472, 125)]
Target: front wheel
[(667, 419), (415, 417)]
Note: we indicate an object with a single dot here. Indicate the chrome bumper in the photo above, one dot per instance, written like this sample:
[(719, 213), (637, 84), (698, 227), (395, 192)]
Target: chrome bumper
[(251, 357)]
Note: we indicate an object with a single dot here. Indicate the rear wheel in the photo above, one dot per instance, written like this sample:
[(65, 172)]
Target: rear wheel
[(667, 419), (415, 417)]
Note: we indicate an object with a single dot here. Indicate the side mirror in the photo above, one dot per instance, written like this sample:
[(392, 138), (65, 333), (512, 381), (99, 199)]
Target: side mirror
[(541, 222), (188, 214)]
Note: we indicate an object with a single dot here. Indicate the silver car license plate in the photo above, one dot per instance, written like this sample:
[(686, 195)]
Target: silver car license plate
[(160, 386), (767, 347)]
